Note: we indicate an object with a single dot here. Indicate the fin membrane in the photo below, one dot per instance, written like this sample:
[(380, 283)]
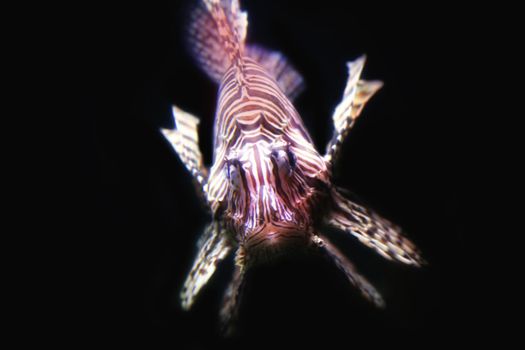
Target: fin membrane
[(216, 35), (185, 141), (213, 247), (357, 93), (344, 264), (372, 230), (288, 79), (231, 301)]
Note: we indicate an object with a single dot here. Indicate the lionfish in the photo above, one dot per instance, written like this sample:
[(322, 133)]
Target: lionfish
[(269, 189)]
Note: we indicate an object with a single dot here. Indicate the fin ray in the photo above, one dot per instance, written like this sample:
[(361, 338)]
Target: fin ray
[(277, 65), (373, 231), (213, 247), (356, 94), (344, 264), (216, 35), (232, 297), (185, 141)]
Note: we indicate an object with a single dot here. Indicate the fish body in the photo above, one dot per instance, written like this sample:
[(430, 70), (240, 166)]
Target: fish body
[(266, 172), (269, 190)]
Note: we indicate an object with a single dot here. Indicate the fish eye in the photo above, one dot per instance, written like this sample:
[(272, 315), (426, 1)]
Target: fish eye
[(284, 160), (291, 158), (233, 174)]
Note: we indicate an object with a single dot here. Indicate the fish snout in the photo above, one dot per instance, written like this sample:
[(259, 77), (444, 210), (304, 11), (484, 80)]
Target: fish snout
[(275, 235)]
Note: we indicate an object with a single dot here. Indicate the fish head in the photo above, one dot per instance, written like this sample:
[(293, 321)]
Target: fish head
[(270, 199)]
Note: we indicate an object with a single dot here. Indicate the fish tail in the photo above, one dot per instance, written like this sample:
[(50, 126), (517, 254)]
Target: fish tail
[(216, 35)]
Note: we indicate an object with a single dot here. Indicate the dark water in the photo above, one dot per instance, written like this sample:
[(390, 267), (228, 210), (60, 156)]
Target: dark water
[(404, 157)]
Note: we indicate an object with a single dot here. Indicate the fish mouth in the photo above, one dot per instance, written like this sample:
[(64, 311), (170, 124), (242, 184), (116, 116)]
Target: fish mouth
[(275, 236)]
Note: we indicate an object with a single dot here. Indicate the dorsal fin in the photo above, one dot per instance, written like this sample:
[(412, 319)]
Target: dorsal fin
[(288, 79), (357, 93), (216, 35), (185, 141)]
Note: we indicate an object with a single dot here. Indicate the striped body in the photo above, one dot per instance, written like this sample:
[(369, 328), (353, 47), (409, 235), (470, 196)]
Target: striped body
[(269, 189), (266, 171)]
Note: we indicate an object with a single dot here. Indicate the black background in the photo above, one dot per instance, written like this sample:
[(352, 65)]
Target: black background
[(406, 157)]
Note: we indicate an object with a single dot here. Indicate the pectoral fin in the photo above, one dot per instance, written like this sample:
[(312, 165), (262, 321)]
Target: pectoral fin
[(185, 141), (232, 297), (372, 230), (213, 247), (357, 93), (366, 289)]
